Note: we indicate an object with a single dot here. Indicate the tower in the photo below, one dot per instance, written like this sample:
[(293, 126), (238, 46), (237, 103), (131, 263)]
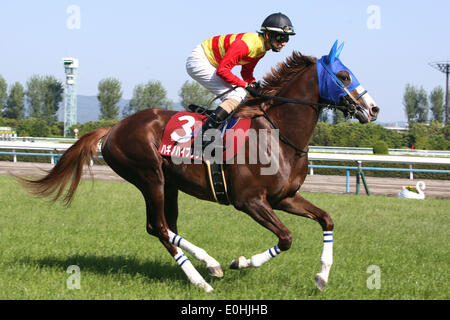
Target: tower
[(444, 67), (70, 94)]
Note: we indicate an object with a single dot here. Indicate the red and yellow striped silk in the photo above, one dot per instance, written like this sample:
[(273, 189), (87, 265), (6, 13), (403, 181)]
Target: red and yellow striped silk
[(226, 51), (216, 47)]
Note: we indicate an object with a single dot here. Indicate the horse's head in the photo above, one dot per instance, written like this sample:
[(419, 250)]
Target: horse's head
[(338, 85)]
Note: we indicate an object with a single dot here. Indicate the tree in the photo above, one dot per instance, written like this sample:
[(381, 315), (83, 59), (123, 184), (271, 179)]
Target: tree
[(52, 97), (193, 93), (422, 105), (338, 116), (15, 106), (415, 102), (145, 96), (34, 91), (3, 93), (437, 104), (33, 127), (409, 102), (44, 95), (109, 95)]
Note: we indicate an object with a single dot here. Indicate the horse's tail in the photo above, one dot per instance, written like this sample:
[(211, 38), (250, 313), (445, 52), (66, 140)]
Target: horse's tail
[(69, 168)]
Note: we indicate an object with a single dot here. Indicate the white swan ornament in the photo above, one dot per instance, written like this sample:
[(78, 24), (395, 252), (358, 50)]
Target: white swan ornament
[(408, 194)]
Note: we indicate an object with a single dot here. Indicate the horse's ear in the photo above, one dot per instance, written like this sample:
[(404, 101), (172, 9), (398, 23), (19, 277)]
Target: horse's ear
[(332, 53), (339, 50)]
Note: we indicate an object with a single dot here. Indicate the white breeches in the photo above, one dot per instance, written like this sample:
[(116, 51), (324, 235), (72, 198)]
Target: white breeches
[(202, 71)]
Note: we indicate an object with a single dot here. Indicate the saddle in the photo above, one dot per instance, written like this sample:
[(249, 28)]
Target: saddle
[(179, 135), (200, 110)]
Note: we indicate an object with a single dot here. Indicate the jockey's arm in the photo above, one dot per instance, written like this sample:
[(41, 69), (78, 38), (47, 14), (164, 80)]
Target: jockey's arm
[(247, 71), (237, 51)]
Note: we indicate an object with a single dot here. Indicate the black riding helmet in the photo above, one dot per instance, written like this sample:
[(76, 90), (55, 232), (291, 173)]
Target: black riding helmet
[(278, 23), (279, 27)]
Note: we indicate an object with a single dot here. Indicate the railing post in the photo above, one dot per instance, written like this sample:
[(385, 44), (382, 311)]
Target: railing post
[(14, 156), (347, 183), (411, 174), (311, 169), (358, 177)]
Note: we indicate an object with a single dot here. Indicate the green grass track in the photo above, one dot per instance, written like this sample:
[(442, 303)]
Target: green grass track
[(103, 233)]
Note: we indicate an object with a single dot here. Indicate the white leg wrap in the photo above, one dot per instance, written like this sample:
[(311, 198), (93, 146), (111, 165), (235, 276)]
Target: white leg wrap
[(326, 259), (191, 272), (192, 249), (212, 265), (257, 260)]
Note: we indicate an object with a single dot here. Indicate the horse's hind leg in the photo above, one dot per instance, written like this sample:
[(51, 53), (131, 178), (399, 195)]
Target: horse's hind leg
[(171, 213), (299, 206), (156, 225)]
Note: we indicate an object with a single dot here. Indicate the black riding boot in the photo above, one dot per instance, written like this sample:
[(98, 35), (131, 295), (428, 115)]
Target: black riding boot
[(213, 122)]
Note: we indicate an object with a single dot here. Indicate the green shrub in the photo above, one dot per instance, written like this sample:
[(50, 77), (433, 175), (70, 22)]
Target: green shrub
[(380, 147)]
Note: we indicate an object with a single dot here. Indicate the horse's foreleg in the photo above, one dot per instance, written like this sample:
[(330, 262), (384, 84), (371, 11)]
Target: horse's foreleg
[(262, 212), (299, 206), (200, 254)]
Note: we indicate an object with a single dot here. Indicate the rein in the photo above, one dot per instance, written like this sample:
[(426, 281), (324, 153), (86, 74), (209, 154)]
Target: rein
[(296, 101), (283, 138), (349, 109)]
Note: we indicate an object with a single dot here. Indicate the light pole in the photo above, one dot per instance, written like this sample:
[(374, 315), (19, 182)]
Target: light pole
[(444, 67)]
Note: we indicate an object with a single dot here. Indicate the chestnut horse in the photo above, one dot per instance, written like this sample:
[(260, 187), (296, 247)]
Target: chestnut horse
[(130, 148)]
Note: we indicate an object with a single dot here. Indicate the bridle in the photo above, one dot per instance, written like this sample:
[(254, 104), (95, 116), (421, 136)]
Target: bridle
[(351, 103), (349, 107)]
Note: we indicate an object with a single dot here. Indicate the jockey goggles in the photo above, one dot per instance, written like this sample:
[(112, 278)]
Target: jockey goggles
[(281, 38)]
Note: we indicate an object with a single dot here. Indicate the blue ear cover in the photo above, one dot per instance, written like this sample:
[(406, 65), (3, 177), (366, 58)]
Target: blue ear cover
[(328, 66), (339, 50), (332, 54)]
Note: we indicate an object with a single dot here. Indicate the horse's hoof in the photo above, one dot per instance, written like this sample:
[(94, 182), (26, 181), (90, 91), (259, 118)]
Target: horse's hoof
[(215, 271), (206, 286), (239, 263), (320, 281)]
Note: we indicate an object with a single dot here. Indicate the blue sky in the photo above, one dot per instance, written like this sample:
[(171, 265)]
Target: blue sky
[(387, 43)]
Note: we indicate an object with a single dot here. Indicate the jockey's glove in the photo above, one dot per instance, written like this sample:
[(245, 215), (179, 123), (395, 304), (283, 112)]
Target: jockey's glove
[(253, 89)]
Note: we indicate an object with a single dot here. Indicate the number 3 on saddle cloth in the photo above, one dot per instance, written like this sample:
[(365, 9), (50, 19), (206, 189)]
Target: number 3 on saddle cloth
[(179, 135), (184, 126)]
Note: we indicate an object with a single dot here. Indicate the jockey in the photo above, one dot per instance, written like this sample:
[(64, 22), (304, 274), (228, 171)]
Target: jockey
[(210, 64)]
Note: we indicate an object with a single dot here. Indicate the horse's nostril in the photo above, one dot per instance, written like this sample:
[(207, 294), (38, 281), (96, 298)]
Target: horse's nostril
[(374, 110)]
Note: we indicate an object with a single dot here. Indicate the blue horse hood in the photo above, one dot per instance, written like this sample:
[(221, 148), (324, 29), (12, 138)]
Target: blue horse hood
[(330, 87)]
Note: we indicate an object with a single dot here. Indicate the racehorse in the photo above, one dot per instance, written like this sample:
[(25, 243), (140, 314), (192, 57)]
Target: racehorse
[(292, 96)]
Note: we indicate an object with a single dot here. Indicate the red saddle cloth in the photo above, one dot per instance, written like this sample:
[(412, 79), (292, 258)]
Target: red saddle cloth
[(181, 129)]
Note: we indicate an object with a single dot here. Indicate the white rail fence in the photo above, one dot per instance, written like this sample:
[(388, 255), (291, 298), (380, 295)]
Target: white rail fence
[(53, 148)]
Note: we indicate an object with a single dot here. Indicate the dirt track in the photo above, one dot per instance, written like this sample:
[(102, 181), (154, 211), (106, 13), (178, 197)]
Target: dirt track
[(315, 183)]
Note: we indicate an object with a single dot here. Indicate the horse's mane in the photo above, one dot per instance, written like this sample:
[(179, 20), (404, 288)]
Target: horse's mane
[(273, 82)]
